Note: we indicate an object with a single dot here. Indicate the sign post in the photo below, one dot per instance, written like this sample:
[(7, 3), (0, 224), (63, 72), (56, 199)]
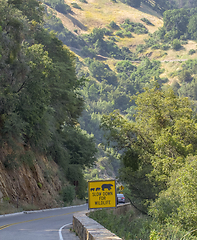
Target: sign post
[(102, 194)]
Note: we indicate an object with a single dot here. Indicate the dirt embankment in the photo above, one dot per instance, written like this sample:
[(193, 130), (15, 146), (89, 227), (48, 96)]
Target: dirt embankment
[(38, 185)]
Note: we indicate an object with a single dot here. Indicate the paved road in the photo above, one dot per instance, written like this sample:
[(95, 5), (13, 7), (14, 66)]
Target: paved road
[(38, 225)]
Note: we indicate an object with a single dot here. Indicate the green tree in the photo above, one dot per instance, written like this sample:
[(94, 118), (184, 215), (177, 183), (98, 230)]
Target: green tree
[(176, 21), (156, 144), (192, 27), (185, 76), (178, 204), (32, 9), (176, 45)]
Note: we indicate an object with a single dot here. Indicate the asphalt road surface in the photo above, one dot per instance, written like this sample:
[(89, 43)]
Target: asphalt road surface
[(38, 225)]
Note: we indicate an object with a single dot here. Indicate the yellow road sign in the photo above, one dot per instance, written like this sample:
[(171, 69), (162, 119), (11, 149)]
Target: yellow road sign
[(102, 194), (121, 187)]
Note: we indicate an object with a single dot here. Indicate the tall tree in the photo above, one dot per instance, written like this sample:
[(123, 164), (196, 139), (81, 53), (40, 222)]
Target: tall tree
[(163, 135)]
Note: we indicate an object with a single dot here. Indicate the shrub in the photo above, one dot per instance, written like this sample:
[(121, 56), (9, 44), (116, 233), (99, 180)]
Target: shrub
[(83, 1), (140, 29), (107, 31), (168, 231), (137, 28), (165, 47), (176, 45), (191, 51), (119, 33), (27, 158), (75, 5), (140, 48), (39, 185), (124, 226), (128, 34), (185, 76), (112, 38), (147, 21), (156, 46), (113, 25), (88, 52), (68, 194), (11, 162), (62, 8)]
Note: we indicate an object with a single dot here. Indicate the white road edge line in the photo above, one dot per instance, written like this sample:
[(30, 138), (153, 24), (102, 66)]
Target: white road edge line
[(42, 210), (60, 231)]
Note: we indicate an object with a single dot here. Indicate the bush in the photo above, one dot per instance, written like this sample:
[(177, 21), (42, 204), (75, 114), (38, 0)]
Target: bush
[(185, 76), (168, 231), (140, 48), (62, 8), (147, 21), (177, 205), (75, 5), (156, 46), (137, 28), (83, 1), (191, 51), (119, 33), (165, 47), (176, 45), (88, 52), (129, 226), (27, 158), (11, 162), (113, 25), (107, 32), (124, 226), (128, 34), (68, 194)]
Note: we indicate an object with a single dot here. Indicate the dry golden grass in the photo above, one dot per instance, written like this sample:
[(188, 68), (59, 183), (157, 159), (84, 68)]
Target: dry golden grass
[(95, 14), (100, 13)]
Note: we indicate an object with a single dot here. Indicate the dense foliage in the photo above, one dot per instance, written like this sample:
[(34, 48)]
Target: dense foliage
[(133, 226), (157, 145), (159, 155), (40, 101)]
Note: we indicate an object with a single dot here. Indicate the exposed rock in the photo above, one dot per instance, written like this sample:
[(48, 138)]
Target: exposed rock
[(38, 184)]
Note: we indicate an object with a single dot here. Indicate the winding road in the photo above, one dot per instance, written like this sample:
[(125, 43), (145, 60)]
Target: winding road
[(38, 225)]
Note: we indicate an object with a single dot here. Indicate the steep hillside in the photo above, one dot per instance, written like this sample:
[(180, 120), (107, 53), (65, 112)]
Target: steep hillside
[(30, 187), (99, 15), (103, 35), (141, 75), (43, 151), (57, 107)]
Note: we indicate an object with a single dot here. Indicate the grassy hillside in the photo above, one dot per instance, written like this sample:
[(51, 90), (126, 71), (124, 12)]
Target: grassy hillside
[(107, 88), (123, 52), (94, 14)]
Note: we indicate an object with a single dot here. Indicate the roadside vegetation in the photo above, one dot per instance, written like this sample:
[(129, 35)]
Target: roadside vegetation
[(153, 136), (40, 100), (138, 226), (123, 105)]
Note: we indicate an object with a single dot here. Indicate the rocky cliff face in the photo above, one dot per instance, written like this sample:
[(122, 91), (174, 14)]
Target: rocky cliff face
[(38, 185)]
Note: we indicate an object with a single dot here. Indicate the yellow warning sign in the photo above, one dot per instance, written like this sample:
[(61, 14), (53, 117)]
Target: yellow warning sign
[(101, 194), (121, 187)]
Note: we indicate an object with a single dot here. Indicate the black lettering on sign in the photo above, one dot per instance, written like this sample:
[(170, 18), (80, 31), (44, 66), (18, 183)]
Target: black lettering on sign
[(96, 194), (102, 198), (107, 193), (107, 202)]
